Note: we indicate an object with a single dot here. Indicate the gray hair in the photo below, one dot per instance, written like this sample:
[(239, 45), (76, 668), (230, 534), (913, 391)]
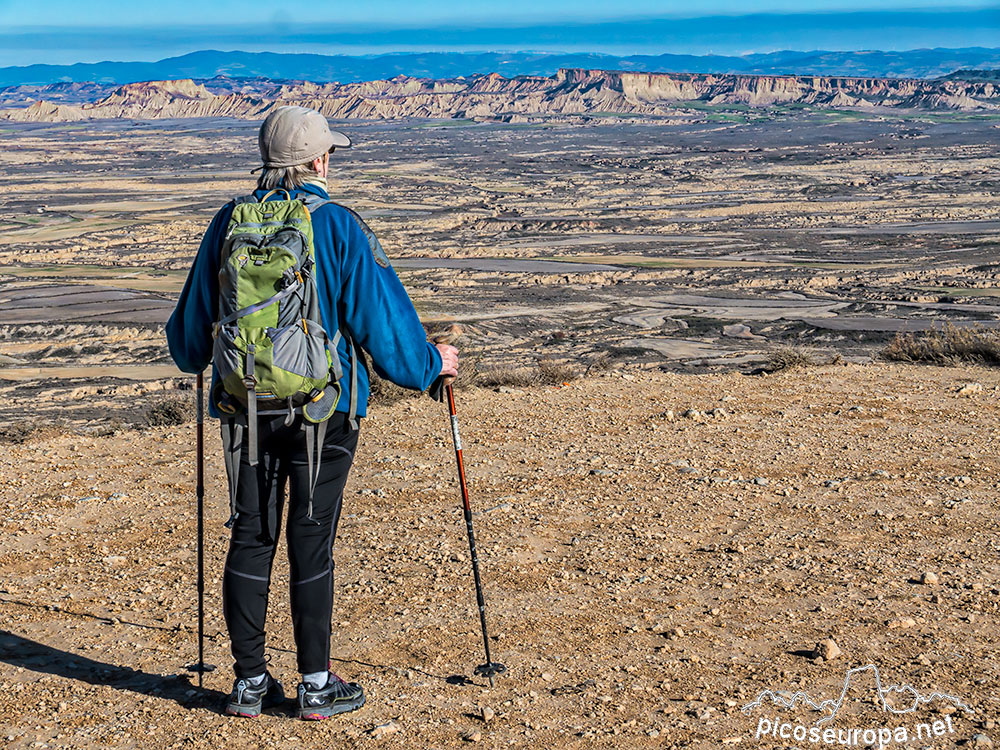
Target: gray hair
[(286, 177)]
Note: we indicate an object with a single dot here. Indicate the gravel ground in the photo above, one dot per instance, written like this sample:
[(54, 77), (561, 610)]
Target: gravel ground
[(657, 550)]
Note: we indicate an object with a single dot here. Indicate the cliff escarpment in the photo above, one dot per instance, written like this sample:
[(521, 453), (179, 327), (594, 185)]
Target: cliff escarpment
[(568, 92)]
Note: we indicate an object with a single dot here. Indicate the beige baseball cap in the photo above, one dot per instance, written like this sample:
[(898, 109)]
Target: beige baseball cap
[(293, 135)]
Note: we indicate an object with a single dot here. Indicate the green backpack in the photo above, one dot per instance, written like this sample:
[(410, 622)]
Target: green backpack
[(272, 354)]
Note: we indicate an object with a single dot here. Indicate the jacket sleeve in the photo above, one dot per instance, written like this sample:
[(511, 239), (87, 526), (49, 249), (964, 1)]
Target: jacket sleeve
[(380, 317), (189, 330)]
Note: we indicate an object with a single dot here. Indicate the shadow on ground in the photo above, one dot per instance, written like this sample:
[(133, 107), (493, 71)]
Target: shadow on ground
[(19, 651)]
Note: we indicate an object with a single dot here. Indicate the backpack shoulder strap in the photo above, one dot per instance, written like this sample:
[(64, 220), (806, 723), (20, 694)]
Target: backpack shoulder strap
[(313, 201)]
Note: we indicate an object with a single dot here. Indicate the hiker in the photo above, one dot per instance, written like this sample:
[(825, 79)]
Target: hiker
[(348, 297)]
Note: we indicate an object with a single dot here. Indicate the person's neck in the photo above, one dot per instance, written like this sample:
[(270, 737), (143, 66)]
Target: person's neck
[(317, 180)]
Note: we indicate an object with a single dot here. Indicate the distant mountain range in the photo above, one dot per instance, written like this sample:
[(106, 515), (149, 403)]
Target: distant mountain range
[(611, 29), (569, 93), (974, 75), (921, 63)]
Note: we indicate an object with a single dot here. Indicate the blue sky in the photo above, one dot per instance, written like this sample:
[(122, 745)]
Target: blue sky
[(70, 31), (22, 13)]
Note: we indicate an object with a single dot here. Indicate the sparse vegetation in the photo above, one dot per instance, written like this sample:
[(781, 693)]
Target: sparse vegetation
[(494, 376), (788, 358), (601, 363), (946, 346), (474, 374), (547, 372), (556, 373), (169, 412)]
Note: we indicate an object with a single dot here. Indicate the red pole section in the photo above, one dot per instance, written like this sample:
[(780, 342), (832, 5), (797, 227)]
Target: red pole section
[(458, 448)]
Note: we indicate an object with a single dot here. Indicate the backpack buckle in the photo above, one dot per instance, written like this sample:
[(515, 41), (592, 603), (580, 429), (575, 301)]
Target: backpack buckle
[(224, 402)]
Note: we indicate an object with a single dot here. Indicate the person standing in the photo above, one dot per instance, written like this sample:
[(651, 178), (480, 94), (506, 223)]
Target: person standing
[(360, 296)]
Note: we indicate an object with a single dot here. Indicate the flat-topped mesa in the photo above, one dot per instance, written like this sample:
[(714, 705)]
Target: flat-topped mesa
[(571, 91), (155, 92), (660, 88), (768, 90), (583, 76)]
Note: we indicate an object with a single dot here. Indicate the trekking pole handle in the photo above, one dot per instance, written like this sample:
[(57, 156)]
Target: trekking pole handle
[(447, 337)]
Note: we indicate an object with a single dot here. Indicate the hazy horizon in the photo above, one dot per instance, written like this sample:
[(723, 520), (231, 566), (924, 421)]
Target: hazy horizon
[(879, 28)]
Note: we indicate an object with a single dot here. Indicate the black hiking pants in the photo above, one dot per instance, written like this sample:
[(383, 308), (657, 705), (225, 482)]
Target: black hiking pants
[(260, 500)]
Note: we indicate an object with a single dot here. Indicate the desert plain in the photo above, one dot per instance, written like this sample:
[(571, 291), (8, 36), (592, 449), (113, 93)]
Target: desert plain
[(671, 519)]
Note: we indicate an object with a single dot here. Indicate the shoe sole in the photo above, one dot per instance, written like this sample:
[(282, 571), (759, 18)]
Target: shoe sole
[(252, 711), (247, 712), (341, 707)]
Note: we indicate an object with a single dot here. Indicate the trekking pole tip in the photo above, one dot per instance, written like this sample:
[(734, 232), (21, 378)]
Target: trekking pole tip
[(490, 671)]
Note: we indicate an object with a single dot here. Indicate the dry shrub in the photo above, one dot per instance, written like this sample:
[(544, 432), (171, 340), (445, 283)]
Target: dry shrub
[(494, 376), (547, 372), (468, 370), (555, 373), (600, 363), (945, 346), (169, 412), (788, 358)]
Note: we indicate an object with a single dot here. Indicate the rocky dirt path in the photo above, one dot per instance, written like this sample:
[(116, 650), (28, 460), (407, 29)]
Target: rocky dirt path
[(649, 569)]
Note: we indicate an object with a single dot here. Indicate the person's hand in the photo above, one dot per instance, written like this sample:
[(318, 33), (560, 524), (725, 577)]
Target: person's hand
[(449, 361)]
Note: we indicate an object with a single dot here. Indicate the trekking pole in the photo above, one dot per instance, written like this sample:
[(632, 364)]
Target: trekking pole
[(200, 667), (490, 668)]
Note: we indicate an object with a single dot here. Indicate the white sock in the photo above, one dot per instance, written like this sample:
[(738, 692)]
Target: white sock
[(258, 680), (316, 679)]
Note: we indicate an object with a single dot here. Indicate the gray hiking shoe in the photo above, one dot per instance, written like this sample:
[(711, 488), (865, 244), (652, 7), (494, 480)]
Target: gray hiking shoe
[(249, 700), (336, 697)]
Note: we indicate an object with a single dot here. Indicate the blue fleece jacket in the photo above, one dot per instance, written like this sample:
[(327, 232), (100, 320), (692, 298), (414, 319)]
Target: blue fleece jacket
[(356, 293)]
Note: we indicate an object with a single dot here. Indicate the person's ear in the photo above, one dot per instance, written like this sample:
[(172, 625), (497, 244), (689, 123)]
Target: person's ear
[(317, 166)]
